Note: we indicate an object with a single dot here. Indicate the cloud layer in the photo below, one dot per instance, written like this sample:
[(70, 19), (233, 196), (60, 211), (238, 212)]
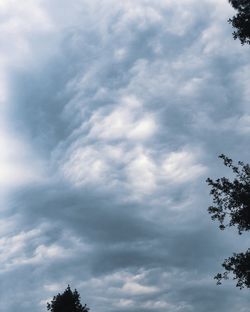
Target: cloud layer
[(112, 116)]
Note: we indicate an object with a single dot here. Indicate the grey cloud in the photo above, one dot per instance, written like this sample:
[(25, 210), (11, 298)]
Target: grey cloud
[(121, 213)]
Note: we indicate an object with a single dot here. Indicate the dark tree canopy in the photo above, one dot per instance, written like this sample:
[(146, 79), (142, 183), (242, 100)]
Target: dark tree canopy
[(231, 207), (231, 199), (68, 301), (241, 21), (239, 266)]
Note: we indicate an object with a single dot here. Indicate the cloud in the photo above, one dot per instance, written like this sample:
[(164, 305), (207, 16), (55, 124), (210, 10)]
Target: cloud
[(17, 164), (125, 122), (113, 115)]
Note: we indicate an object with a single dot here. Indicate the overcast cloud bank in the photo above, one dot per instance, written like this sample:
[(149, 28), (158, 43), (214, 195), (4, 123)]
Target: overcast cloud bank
[(113, 114)]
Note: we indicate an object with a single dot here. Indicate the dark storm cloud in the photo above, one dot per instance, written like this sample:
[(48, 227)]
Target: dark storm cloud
[(118, 238), (126, 113)]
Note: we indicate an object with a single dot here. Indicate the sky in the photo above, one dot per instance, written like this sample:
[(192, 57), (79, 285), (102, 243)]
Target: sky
[(112, 116)]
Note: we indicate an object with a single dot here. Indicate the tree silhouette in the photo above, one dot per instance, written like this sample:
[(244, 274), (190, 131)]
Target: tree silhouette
[(67, 302), (241, 21), (231, 207)]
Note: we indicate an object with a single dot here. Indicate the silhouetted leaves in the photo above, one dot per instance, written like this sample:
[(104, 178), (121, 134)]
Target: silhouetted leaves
[(231, 207), (241, 21), (67, 302), (231, 199), (239, 266)]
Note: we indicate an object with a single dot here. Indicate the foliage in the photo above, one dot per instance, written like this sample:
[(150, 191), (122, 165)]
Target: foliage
[(231, 199), (67, 302), (231, 207), (241, 21), (239, 265)]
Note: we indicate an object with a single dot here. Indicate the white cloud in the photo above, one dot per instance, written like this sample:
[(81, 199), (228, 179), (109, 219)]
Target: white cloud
[(18, 166), (85, 165), (125, 283), (19, 22), (141, 172), (134, 168), (182, 166), (141, 16), (13, 246), (27, 248), (123, 303), (127, 121), (134, 288)]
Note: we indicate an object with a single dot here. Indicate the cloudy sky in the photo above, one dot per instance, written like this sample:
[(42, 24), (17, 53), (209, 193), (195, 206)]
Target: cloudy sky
[(112, 116)]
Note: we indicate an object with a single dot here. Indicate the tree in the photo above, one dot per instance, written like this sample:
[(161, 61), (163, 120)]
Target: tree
[(67, 302), (231, 207), (241, 21)]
